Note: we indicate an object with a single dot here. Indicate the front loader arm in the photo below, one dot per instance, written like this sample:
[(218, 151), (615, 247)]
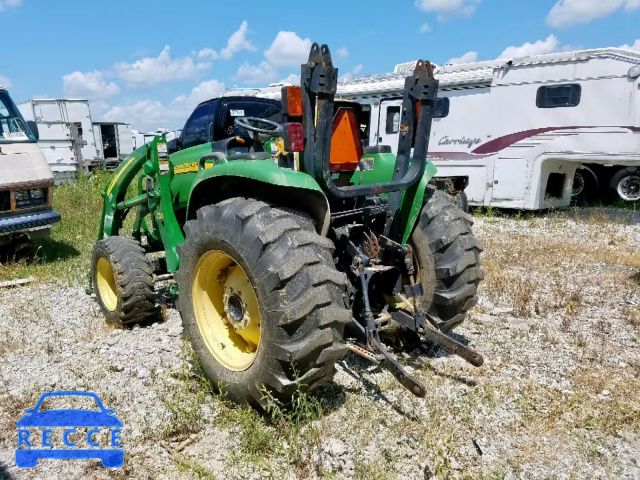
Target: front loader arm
[(116, 190), (152, 161)]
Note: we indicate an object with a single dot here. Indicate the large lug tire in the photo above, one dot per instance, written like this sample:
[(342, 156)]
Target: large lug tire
[(448, 258), (625, 184), (122, 278), (461, 201), (293, 335)]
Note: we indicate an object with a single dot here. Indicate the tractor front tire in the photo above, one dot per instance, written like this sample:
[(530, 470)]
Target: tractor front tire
[(448, 257), (122, 278), (261, 301)]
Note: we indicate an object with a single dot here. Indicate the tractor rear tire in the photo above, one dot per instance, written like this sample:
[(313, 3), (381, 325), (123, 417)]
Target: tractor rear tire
[(122, 278), (448, 257), (286, 328)]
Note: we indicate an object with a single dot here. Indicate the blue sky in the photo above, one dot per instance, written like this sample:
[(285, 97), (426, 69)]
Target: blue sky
[(149, 63)]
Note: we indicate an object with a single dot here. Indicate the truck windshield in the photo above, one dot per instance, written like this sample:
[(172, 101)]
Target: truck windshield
[(13, 128)]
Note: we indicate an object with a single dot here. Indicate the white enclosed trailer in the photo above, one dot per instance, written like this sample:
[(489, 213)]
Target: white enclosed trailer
[(517, 130), (114, 140), (65, 133), (526, 133)]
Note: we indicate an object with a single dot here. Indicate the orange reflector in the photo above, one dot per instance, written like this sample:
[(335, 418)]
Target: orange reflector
[(292, 101), (346, 147)]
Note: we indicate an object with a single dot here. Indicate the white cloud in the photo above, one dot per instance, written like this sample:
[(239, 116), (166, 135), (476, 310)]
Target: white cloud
[(448, 9), (294, 79), (342, 52), (349, 75), (237, 42), (152, 71), (466, 58), (288, 50), (566, 13), (4, 4), (148, 115), (541, 47), (91, 85), (257, 75), (183, 105), (5, 81), (635, 46), (424, 28)]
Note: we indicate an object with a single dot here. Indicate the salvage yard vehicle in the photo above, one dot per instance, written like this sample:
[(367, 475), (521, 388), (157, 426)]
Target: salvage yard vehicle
[(562, 126), (291, 244), (26, 181)]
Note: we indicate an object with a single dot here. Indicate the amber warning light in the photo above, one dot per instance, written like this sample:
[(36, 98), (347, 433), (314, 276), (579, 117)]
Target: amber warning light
[(292, 101)]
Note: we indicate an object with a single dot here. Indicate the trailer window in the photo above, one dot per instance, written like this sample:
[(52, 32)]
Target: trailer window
[(393, 120), (441, 108), (559, 96)]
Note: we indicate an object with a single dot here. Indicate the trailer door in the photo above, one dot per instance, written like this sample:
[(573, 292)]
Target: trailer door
[(509, 179), (389, 123), (125, 140)]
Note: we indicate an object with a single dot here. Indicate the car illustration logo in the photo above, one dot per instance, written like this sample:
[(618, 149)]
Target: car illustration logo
[(86, 433)]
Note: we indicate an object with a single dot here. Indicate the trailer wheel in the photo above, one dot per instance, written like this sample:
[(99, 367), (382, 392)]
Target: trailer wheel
[(261, 300), (585, 186), (123, 280), (626, 184), (448, 260)]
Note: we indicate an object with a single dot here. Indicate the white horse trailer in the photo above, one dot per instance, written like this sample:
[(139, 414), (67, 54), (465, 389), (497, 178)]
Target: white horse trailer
[(515, 132)]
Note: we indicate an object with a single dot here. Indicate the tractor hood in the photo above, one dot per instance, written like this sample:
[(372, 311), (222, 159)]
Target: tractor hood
[(23, 163)]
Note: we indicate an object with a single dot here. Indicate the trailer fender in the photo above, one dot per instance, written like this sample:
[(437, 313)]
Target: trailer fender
[(261, 180)]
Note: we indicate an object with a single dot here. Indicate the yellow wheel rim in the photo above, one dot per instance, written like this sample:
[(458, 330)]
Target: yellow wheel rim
[(227, 311), (107, 284)]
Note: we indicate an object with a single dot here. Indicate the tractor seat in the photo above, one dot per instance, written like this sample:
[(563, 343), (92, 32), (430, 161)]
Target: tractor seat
[(239, 148)]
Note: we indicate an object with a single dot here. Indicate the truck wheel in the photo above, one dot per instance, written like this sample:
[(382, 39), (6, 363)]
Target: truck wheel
[(585, 186), (626, 184), (261, 300), (123, 280), (448, 261)]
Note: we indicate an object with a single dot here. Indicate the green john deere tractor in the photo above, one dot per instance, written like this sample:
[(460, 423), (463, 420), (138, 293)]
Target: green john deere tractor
[(288, 242)]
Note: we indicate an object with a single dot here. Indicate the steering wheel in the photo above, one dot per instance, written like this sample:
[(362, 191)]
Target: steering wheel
[(251, 124)]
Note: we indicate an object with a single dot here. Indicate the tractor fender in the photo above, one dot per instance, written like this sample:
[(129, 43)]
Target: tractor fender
[(412, 199), (260, 180)]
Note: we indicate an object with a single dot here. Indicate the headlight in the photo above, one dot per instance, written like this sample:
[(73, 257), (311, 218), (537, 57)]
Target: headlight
[(37, 193), (22, 195), (33, 197)]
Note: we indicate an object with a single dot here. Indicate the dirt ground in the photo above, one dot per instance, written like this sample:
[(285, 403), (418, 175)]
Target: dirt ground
[(558, 396)]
